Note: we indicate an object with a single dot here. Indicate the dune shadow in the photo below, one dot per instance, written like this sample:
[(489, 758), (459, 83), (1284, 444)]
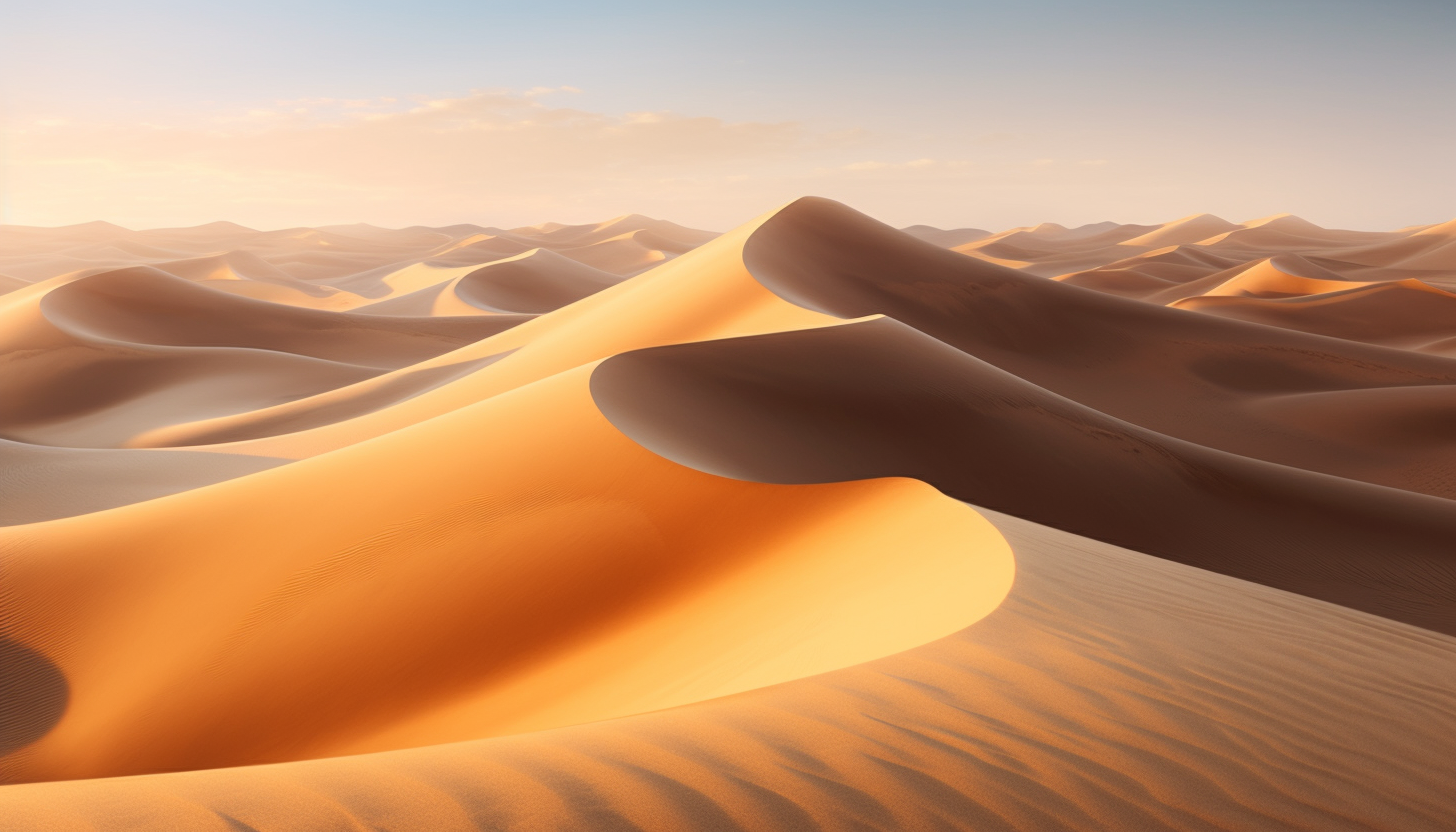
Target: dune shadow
[(33, 695)]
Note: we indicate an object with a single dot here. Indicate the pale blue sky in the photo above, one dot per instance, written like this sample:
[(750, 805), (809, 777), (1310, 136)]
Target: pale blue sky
[(1343, 111)]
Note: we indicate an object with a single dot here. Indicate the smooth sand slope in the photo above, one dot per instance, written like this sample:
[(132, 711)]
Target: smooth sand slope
[(113, 718), (537, 574), (628, 526), (1111, 690)]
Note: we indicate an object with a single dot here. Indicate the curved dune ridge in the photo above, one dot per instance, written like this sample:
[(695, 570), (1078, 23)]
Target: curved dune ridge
[(626, 525), (560, 571)]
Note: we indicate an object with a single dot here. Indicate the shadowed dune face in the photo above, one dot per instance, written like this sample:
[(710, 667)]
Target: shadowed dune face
[(33, 696), (880, 399), (40, 483), (147, 307), (1406, 314), (1194, 377), (533, 283), (625, 525)]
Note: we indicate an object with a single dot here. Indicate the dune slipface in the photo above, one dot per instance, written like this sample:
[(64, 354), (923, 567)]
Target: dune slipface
[(813, 524)]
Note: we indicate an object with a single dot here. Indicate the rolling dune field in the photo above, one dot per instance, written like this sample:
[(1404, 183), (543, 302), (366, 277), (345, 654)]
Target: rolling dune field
[(813, 524)]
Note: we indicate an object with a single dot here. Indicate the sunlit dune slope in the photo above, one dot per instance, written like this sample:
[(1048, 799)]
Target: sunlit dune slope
[(520, 567), (112, 340), (1111, 690), (707, 293)]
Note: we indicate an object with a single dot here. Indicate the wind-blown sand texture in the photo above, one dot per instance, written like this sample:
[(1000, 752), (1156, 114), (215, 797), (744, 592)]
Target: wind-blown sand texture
[(813, 524)]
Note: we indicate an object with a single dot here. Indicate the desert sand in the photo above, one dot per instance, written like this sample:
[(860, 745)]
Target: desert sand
[(813, 524)]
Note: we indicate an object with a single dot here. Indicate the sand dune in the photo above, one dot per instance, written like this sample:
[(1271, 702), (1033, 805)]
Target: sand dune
[(1407, 314), (203, 663), (1176, 260), (879, 399), (625, 525), (95, 361), (534, 282), (1180, 374), (1149, 276), (1110, 690), (1187, 230), (256, 376), (64, 386), (322, 267), (702, 295), (247, 274), (146, 306), (43, 483), (945, 238)]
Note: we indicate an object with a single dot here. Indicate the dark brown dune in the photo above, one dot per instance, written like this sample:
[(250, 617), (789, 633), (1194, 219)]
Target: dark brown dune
[(1182, 374), (879, 399)]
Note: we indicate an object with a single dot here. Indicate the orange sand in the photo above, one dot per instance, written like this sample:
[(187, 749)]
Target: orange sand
[(627, 525)]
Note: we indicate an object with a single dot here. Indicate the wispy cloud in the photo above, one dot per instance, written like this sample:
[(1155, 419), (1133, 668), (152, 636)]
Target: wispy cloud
[(490, 156), (486, 147)]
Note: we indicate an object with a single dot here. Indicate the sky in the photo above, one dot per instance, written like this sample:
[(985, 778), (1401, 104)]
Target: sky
[(955, 114)]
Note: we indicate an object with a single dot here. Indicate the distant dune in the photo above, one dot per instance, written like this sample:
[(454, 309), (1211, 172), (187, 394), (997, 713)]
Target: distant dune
[(815, 524)]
